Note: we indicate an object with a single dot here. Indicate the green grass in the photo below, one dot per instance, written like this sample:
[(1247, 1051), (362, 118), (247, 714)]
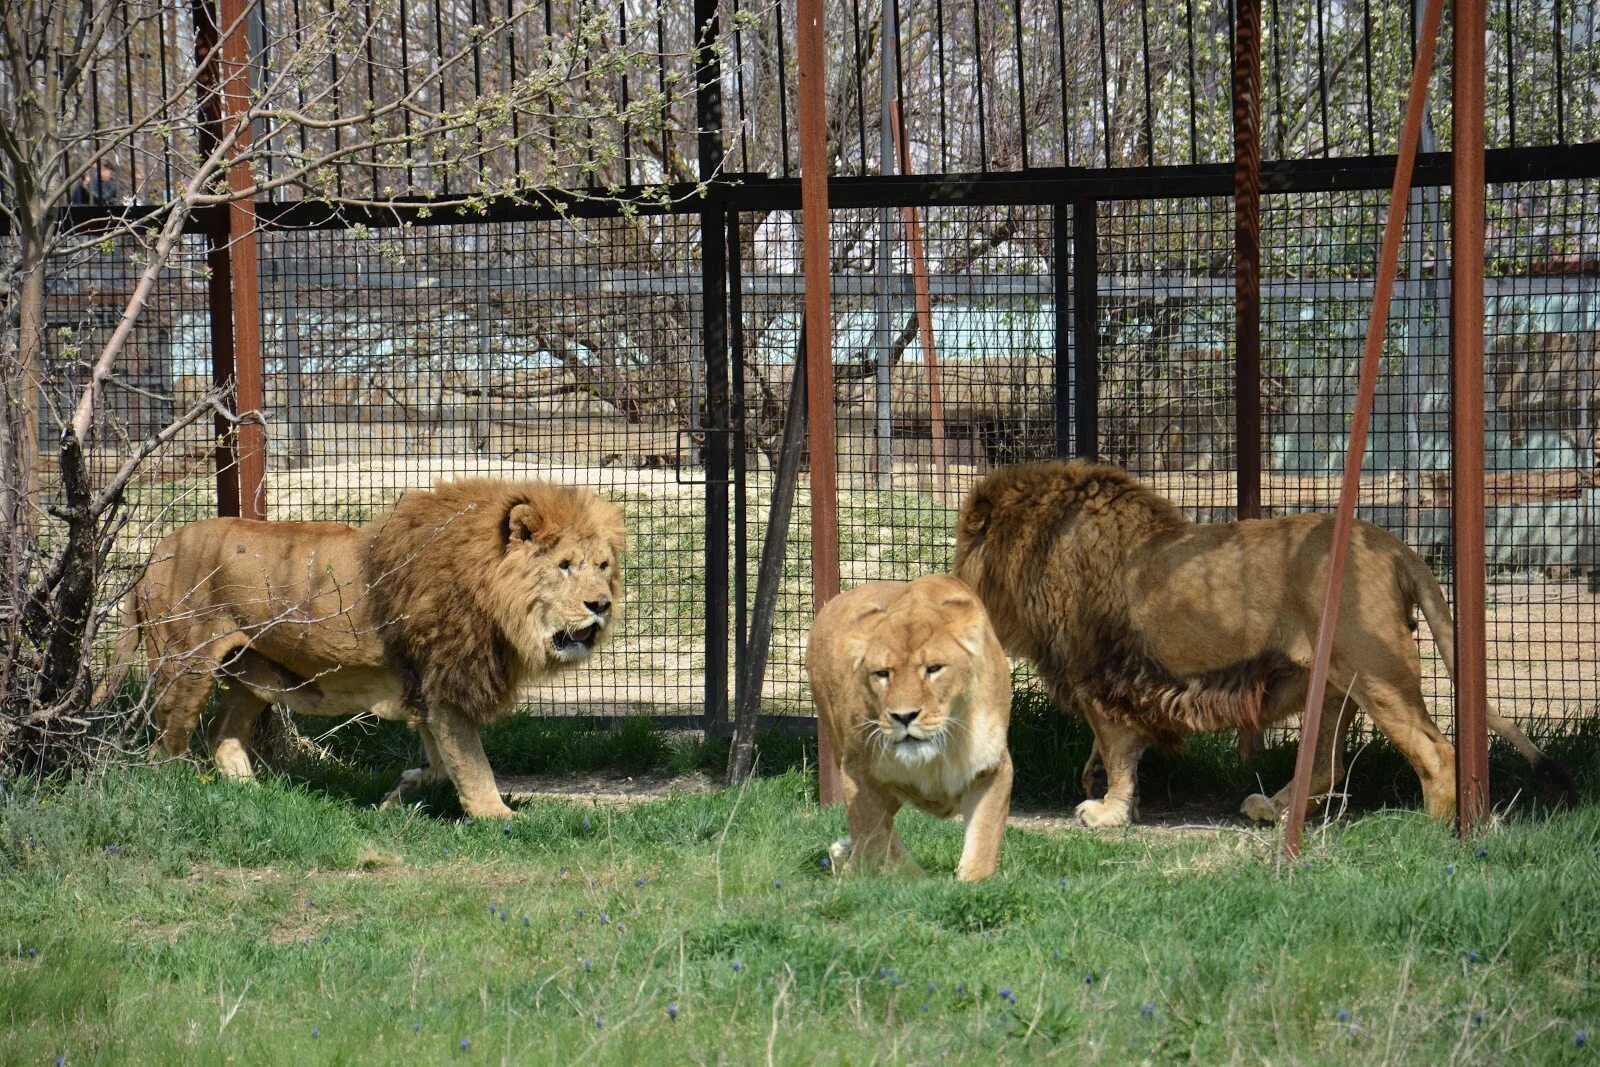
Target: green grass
[(158, 914)]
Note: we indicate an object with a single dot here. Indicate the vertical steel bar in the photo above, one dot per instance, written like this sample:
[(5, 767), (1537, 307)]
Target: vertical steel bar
[(924, 305), (739, 450), (1366, 391), (1062, 372), (1466, 412), (1247, 254), (819, 335), (1086, 329), (714, 333), (888, 91)]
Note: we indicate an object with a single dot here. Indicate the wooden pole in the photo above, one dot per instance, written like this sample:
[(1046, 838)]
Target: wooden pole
[(1366, 390), (919, 280), (251, 439), (1466, 412), (819, 339)]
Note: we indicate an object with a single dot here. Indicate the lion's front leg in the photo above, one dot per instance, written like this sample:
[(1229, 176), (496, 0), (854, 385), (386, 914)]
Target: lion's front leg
[(873, 843), (460, 752), (1120, 747), (1094, 774), (984, 809)]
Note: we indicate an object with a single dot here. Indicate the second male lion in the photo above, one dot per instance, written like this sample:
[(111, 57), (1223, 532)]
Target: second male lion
[(1153, 627), (435, 614), (915, 693)]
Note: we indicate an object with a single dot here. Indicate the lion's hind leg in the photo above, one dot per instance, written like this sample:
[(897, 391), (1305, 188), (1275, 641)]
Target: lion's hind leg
[(1120, 747), (1400, 712), (238, 709), (1327, 762), (424, 777)]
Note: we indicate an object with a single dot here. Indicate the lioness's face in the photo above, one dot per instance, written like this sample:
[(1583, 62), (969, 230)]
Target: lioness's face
[(572, 583), (917, 678)]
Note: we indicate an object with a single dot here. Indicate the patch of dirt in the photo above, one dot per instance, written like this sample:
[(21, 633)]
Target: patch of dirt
[(606, 790), (613, 791)]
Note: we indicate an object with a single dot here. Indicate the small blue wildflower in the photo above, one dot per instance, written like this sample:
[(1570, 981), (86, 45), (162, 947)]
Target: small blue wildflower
[(416, 1027), (1483, 853), (1343, 1014), (883, 972), (1449, 869), (961, 988), (605, 920), (526, 921), (826, 862), (32, 952), (777, 883), (1005, 993), (465, 1044), (1088, 979), (1055, 954), (506, 830), (586, 965), (112, 848), (599, 1022), (1477, 1018), (737, 966), (622, 928), (563, 872), (580, 913), (446, 851), (316, 1031), (1472, 957), (493, 907), (924, 1007), (931, 989), (504, 915), (585, 823), (639, 882), (672, 1011), (60, 1059), (1581, 1038), (1064, 882), (1149, 1009)]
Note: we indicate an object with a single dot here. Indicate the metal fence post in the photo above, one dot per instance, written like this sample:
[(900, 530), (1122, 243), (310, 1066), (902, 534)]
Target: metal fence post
[(716, 417), (1062, 372), (1086, 329), (1247, 254)]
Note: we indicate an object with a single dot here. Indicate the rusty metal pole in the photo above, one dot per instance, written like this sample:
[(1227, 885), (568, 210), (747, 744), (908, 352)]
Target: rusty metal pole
[(250, 440), (1247, 273), (1466, 412), (1366, 390), (819, 339)]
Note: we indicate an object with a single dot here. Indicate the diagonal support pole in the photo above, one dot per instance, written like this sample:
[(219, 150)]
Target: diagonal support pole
[(1361, 418)]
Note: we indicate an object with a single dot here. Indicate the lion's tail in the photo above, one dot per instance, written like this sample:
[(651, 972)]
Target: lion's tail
[(1553, 781), (125, 651)]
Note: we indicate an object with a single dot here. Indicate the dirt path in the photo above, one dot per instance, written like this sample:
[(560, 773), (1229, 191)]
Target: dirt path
[(613, 791)]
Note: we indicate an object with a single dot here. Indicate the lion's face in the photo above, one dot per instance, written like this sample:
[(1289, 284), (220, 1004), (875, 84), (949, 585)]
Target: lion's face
[(569, 581), (917, 671)]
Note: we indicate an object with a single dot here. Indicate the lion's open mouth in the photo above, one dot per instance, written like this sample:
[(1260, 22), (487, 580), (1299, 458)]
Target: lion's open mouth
[(585, 636)]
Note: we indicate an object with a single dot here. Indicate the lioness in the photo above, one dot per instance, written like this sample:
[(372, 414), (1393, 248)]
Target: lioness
[(1153, 627), (435, 614), (915, 693)]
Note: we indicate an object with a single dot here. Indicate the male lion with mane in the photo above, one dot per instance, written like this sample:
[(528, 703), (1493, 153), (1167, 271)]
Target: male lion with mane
[(435, 614), (1153, 627), (915, 693)]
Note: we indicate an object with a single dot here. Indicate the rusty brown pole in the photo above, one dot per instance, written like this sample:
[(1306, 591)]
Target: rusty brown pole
[(1344, 517), (1466, 412), (819, 339), (250, 440), (1247, 273), (924, 299)]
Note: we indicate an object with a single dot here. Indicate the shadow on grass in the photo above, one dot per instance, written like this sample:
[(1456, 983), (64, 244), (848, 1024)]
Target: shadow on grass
[(1204, 777)]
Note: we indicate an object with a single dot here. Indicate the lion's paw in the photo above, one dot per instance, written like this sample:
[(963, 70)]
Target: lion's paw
[(839, 853), (1259, 807), (1100, 813)]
